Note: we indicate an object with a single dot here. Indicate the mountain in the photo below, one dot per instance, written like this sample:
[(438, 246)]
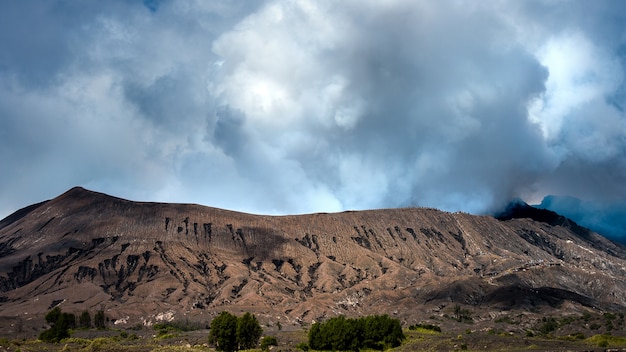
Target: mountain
[(607, 218), (144, 262)]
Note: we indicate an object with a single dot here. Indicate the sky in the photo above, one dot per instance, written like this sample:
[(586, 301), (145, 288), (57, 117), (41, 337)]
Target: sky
[(299, 106)]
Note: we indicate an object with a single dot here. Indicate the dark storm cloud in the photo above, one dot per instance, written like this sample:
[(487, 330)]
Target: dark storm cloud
[(299, 106)]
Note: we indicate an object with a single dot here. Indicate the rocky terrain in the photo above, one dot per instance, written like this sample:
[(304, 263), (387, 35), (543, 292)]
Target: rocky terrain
[(145, 262)]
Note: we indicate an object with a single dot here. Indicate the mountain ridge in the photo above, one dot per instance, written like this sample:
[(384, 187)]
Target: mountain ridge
[(605, 217), (144, 261)]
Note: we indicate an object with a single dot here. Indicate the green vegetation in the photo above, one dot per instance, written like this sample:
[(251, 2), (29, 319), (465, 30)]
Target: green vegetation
[(340, 334), (548, 325), (573, 337), (248, 331), (462, 315), (170, 329), (563, 326), (268, 341), (507, 320), (427, 327), (179, 325), (303, 346), (606, 340), (84, 321), (61, 324), (224, 332), (99, 319), (565, 332), (229, 333), (609, 318), (4, 342)]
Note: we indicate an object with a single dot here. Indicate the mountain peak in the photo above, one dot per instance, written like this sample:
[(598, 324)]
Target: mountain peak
[(607, 217), (79, 192), (521, 210)]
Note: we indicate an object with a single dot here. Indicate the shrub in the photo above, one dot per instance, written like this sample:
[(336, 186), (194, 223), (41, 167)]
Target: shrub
[(462, 315), (578, 335), (606, 340), (177, 326), (268, 341), (303, 346), (100, 344), (507, 320), (425, 327), (548, 325), (4, 342), (168, 330)]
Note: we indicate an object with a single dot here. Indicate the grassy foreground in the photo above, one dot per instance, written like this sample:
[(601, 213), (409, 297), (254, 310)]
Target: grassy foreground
[(417, 340)]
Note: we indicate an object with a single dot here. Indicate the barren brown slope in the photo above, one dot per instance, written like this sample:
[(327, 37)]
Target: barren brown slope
[(146, 261)]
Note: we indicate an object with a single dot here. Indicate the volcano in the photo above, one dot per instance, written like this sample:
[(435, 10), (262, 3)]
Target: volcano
[(145, 262)]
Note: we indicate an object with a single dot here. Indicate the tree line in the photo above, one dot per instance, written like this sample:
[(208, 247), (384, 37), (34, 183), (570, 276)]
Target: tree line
[(229, 333), (377, 332), (61, 322)]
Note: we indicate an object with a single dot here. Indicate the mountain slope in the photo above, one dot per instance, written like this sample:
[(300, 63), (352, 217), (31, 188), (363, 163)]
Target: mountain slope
[(147, 261)]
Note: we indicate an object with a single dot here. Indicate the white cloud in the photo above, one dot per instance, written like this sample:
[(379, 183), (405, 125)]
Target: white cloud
[(579, 74), (289, 106)]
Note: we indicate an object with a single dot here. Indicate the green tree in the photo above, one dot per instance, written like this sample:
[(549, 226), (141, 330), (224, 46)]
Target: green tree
[(248, 331), (373, 332), (84, 321), (223, 332), (316, 340), (61, 323), (98, 319), (382, 331), (53, 315)]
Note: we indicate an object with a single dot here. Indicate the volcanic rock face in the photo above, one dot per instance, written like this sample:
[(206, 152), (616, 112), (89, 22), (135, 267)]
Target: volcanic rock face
[(146, 261)]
